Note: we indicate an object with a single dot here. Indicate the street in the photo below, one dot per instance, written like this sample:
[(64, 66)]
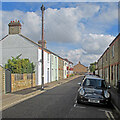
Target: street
[(59, 102)]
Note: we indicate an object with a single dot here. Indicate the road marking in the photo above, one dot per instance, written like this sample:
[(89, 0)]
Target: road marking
[(82, 107), (74, 105), (107, 115), (111, 115), (77, 106)]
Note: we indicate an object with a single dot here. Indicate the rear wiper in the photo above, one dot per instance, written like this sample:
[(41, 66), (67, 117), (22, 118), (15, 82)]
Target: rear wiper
[(90, 86), (98, 87)]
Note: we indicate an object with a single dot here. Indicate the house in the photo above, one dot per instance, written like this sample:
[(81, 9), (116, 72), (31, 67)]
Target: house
[(60, 68), (80, 69), (65, 68), (15, 44), (109, 62), (69, 67)]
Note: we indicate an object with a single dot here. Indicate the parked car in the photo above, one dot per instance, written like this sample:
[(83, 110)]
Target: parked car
[(93, 90)]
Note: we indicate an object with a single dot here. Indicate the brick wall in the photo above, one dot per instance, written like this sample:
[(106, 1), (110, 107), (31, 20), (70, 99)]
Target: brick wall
[(60, 69), (109, 63), (79, 68), (23, 83)]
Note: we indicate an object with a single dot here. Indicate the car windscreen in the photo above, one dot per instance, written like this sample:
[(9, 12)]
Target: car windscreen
[(95, 83)]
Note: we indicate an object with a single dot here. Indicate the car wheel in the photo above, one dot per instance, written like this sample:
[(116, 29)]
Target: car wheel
[(78, 101), (109, 103)]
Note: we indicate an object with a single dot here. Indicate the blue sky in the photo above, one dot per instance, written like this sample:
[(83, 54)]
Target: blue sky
[(76, 30), (35, 6)]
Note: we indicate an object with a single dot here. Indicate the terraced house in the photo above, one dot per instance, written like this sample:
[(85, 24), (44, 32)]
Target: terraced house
[(60, 68), (109, 62), (15, 44)]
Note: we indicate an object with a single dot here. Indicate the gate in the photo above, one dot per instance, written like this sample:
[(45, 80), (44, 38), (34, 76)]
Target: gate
[(7, 81)]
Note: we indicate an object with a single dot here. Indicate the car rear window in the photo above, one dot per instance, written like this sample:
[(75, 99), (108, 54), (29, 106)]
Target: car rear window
[(94, 83)]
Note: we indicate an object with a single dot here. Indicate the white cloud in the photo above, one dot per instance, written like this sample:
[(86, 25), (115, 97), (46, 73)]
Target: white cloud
[(96, 43), (78, 55), (67, 26)]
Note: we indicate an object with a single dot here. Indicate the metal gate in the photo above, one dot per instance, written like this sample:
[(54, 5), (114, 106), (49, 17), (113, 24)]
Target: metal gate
[(7, 81)]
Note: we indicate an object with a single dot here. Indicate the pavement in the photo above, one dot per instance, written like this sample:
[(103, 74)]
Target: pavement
[(11, 99), (115, 99)]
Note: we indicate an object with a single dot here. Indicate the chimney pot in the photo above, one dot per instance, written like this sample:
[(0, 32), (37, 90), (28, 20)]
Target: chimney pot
[(14, 27)]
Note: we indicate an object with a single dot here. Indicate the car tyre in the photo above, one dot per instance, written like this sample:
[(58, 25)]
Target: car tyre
[(78, 101), (109, 104)]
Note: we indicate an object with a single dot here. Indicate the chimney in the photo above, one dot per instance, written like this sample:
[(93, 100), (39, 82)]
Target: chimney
[(40, 43), (14, 27)]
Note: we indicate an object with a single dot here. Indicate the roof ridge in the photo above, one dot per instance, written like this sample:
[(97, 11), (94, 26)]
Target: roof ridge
[(4, 37)]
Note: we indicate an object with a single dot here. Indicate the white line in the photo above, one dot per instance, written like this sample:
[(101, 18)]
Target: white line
[(82, 107), (107, 115), (104, 110), (74, 105), (112, 115)]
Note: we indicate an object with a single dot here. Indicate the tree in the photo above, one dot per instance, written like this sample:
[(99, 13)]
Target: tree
[(17, 65), (92, 67)]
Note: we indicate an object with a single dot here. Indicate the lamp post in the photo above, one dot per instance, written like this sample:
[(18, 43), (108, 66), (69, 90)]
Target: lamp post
[(42, 9)]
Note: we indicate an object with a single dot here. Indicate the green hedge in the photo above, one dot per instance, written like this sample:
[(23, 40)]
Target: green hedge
[(17, 65)]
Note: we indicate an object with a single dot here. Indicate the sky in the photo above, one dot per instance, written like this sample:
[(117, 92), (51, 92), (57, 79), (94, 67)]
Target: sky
[(78, 31)]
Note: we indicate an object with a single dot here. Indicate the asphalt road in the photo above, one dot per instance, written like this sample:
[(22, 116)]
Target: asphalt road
[(59, 102)]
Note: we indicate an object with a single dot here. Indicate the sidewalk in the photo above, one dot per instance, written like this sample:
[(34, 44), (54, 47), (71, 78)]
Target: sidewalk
[(11, 99), (115, 98)]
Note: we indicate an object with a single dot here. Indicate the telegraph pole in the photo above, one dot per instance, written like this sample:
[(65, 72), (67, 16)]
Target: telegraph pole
[(42, 9)]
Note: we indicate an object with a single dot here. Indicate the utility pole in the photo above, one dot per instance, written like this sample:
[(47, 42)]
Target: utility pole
[(42, 9)]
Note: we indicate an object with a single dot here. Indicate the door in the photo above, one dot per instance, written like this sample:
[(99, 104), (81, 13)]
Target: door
[(7, 81), (48, 75)]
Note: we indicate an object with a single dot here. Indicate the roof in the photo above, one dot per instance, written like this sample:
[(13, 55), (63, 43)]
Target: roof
[(103, 53), (93, 77), (114, 40), (14, 23), (35, 44), (80, 64), (68, 61)]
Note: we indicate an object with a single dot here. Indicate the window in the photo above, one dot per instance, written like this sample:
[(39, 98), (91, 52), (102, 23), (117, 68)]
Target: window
[(48, 75), (118, 72), (113, 51), (94, 83), (111, 72), (56, 60)]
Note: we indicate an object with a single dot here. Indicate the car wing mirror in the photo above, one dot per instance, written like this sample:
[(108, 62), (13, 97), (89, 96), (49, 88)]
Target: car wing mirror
[(109, 86), (79, 84)]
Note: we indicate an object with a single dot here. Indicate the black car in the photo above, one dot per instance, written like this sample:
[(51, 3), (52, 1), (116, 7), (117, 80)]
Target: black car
[(93, 90)]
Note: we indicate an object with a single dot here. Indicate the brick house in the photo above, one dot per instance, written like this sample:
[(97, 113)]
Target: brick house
[(109, 62), (79, 68), (60, 68)]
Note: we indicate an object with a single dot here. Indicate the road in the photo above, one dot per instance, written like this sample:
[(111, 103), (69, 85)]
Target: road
[(59, 102)]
